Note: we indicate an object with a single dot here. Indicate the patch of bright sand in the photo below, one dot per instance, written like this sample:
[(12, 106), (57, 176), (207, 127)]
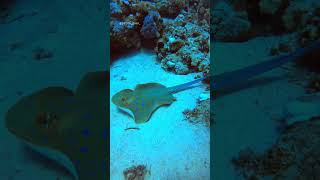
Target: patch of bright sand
[(169, 145)]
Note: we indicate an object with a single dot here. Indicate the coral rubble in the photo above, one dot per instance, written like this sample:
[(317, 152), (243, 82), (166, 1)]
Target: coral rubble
[(295, 155), (200, 114), (228, 24), (184, 45), (136, 173)]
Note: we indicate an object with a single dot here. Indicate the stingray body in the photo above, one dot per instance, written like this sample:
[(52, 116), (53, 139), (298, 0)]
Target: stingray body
[(68, 127)]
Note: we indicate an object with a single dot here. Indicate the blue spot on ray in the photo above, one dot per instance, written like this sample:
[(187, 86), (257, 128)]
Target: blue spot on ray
[(85, 132), (84, 149), (105, 135), (87, 116), (45, 140)]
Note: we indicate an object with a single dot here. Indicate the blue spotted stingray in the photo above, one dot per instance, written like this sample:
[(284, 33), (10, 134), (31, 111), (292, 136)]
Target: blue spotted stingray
[(68, 127)]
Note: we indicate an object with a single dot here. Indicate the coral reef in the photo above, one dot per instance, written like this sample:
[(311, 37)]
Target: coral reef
[(241, 20), (200, 114), (115, 10), (263, 15), (184, 45), (136, 173), (126, 20), (271, 6), (124, 35), (299, 13), (228, 24), (295, 155), (134, 22), (171, 8), (149, 28), (178, 30)]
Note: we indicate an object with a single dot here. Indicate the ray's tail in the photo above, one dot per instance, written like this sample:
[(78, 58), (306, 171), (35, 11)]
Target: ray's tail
[(227, 79), (187, 85)]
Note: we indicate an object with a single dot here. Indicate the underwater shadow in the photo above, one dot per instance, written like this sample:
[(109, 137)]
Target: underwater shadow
[(124, 112), (119, 55), (131, 116), (32, 155), (246, 85)]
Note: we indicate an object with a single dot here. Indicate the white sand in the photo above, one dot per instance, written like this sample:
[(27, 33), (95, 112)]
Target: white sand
[(73, 30), (169, 145), (247, 117)]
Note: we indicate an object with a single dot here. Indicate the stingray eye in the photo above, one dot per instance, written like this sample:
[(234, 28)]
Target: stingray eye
[(46, 121), (123, 99)]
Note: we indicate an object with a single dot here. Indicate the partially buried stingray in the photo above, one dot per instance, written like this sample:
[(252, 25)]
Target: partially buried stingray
[(146, 98), (71, 127), (68, 127)]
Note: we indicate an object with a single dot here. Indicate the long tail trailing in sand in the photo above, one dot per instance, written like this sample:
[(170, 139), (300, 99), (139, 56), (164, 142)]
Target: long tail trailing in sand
[(228, 79)]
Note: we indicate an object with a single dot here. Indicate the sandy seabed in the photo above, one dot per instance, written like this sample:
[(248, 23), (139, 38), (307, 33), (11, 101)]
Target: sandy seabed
[(168, 145)]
